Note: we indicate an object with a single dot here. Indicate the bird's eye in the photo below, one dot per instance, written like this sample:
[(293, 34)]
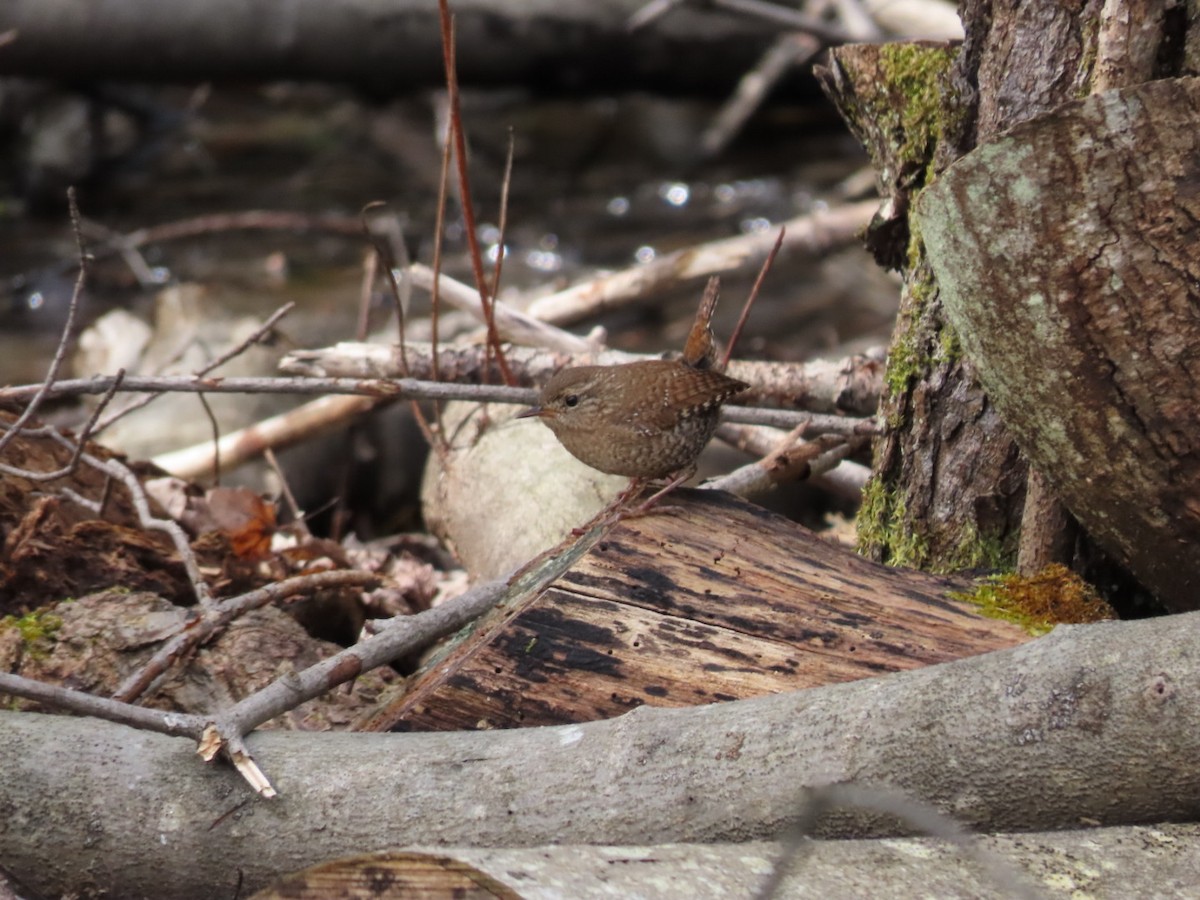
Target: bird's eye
[(571, 400)]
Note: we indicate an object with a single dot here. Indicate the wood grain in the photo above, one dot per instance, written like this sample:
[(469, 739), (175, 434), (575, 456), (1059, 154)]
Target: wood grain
[(718, 601)]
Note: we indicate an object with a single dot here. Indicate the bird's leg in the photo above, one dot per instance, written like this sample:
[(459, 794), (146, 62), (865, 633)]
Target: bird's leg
[(615, 511), (611, 513), (680, 477)]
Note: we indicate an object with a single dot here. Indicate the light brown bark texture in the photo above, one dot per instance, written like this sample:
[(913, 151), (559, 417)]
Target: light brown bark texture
[(1068, 259), (1091, 723), (1096, 862)]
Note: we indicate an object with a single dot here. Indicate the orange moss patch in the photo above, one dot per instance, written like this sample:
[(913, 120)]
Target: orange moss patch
[(1054, 596)]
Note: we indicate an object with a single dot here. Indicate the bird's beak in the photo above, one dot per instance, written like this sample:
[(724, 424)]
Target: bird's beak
[(531, 411)]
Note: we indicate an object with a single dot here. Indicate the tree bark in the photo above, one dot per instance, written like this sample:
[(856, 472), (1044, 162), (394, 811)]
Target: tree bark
[(950, 482), (1066, 256), (1091, 723), (1106, 862)]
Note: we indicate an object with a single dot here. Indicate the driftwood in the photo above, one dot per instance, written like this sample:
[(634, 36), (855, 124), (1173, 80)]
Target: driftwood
[(1103, 862), (717, 600), (396, 45), (392, 46), (1092, 723)]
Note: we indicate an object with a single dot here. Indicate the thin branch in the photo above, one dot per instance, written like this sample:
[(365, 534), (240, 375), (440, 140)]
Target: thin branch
[(379, 388), (163, 722), (171, 528), (215, 442), (60, 352), (304, 422), (501, 249), (464, 183), (813, 233), (80, 440), (247, 220), (788, 52), (285, 489), (793, 459), (849, 385), (789, 18), (218, 615), (762, 274), (255, 337), (513, 325), (399, 294), (405, 388), (650, 13)]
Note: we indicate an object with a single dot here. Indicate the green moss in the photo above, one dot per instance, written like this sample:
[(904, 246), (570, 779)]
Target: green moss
[(885, 529), (1037, 603), (950, 347), (37, 630), (918, 73), (1090, 41), (904, 362), (979, 551), (883, 526)]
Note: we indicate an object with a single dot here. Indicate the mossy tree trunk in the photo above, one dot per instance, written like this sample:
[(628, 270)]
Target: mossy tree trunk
[(952, 489)]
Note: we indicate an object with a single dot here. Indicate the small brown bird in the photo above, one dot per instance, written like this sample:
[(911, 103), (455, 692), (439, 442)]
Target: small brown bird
[(644, 419)]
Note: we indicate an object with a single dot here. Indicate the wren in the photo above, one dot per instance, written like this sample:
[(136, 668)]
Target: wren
[(644, 420)]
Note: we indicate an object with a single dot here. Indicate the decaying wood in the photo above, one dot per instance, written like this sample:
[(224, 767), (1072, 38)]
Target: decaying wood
[(95, 643), (1066, 253), (1092, 722), (41, 528), (720, 600)]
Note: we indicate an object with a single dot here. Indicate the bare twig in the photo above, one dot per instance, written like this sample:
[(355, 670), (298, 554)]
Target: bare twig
[(141, 503), (247, 220), (501, 250), (403, 388), (753, 295), (793, 19), (218, 615), (215, 443), (400, 295), (60, 352), (80, 440), (175, 724), (286, 490), (258, 335), (513, 325), (814, 233), (793, 459), (848, 385), (464, 183), (134, 261), (307, 421), (788, 51), (224, 731), (651, 12), (384, 388), (846, 478)]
